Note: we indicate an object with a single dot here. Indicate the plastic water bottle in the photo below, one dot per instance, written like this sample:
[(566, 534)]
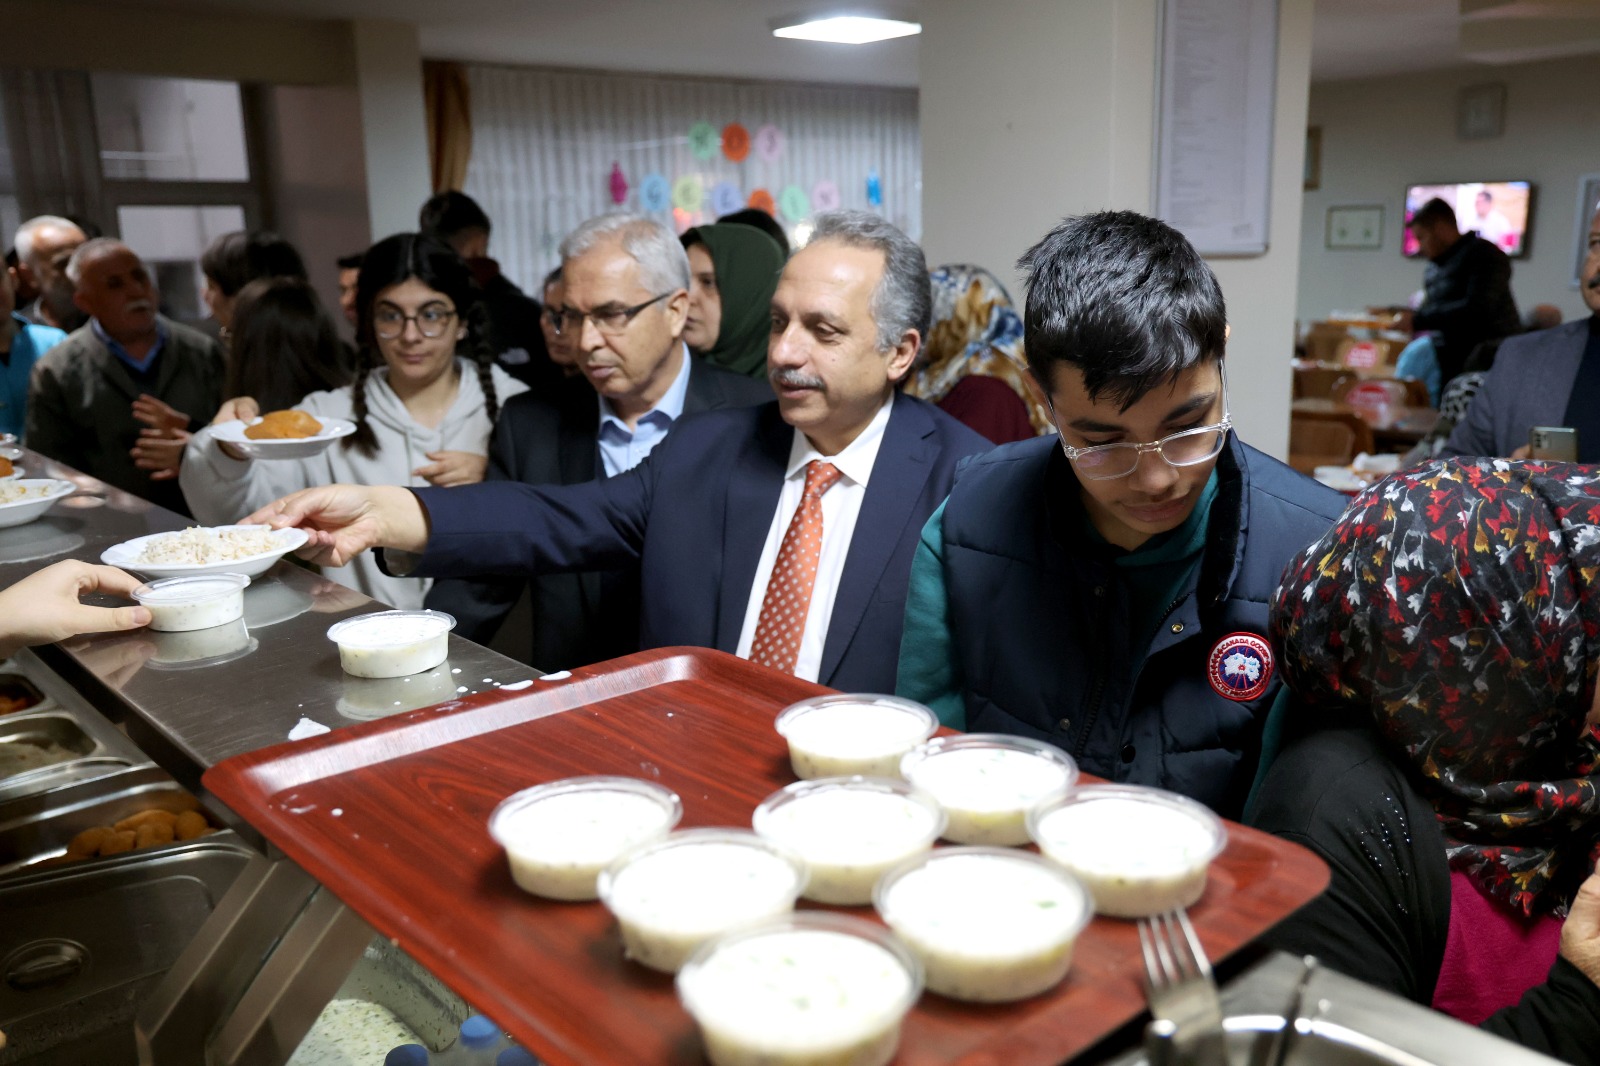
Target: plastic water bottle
[(516, 1056), (481, 1041), (407, 1055)]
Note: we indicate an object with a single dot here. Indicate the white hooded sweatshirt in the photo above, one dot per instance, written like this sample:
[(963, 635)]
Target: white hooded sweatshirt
[(221, 490)]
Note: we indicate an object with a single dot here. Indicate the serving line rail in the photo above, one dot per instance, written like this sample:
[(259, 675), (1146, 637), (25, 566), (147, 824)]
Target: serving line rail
[(245, 991)]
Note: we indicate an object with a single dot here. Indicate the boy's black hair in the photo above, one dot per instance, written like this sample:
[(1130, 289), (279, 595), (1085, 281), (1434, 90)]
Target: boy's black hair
[(450, 214), (1123, 298), (1435, 210), (234, 260), (351, 261)]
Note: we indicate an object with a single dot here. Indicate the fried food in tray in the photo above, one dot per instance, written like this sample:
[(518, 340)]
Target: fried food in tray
[(146, 829), (6, 469), (284, 425), (17, 694)]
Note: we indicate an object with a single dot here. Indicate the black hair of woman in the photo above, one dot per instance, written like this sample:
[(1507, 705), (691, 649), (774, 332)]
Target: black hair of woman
[(283, 345), (234, 260)]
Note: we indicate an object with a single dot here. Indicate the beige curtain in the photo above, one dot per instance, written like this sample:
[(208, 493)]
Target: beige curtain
[(449, 100)]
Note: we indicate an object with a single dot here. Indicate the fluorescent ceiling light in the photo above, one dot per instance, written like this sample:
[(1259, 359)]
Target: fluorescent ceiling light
[(848, 29)]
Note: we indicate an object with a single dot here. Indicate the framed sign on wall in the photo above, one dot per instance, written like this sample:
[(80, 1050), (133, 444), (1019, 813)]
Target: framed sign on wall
[(1355, 226)]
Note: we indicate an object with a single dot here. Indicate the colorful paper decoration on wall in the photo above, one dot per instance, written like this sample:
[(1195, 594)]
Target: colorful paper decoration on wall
[(618, 184), (735, 143), (762, 200), (725, 195), (874, 189), (704, 140), (687, 193), (794, 203), (655, 194), (769, 143), (825, 196)]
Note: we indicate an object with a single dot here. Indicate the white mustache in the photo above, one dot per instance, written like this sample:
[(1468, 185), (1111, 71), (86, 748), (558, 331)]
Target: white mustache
[(138, 305), (793, 379)]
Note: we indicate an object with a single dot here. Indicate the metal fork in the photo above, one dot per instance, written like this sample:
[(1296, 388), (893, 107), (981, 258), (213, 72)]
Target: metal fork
[(1183, 995)]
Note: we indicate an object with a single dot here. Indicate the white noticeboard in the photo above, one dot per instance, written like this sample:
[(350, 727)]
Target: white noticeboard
[(1214, 130)]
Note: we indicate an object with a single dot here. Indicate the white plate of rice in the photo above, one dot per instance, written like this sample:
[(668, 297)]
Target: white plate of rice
[(24, 499), (247, 550)]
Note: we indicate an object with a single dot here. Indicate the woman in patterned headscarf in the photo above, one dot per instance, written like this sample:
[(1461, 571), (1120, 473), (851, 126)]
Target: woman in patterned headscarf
[(971, 364), (1441, 643)]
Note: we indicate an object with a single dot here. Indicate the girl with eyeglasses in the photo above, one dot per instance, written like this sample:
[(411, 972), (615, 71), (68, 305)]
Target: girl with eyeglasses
[(424, 400)]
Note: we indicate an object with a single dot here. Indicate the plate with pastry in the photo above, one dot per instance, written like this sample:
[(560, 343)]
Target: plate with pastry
[(289, 434), (9, 470)]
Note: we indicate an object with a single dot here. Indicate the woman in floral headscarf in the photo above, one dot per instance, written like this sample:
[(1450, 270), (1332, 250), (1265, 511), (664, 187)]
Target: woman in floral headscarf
[(971, 364), (1441, 643)]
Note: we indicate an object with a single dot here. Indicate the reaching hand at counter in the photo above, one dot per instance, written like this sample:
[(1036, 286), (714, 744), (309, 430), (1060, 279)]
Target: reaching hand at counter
[(44, 606), (345, 520)]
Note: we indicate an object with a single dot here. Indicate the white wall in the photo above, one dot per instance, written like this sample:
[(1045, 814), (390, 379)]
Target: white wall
[(1380, 135), (394, 125), (319, 179), (1034, 111)]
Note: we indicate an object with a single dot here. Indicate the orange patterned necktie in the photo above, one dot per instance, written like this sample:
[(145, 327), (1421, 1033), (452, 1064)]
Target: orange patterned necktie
[(782, 621)]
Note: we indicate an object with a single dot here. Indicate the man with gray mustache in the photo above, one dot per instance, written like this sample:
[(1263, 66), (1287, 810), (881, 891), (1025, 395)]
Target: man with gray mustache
[(782, 533), (82, 396), (1547, 378)]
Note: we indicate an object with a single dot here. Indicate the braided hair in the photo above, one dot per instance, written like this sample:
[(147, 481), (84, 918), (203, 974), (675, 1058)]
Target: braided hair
[(393, 261)]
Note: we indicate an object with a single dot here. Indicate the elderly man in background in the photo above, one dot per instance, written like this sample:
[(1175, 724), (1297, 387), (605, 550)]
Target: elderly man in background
[(1547, 378), (783, 533), (85, 394), (637, 380), (43, 245)]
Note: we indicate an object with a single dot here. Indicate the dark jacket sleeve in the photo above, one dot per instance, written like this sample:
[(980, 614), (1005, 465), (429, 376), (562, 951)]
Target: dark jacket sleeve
[(50, 426), (1475, 434), (1386, 913), (509, 529), (1560, 1017)]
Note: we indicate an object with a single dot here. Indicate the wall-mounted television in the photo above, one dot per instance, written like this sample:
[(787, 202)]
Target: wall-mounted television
[(1500, 211)]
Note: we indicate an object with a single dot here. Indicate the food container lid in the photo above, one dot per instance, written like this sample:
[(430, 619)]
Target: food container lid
[(914, 711), (689, 976), (988, 742), (762, 820), (685, 838), (1074, 888), (518, 802), (1154, 799), (196, 588), (388, 629)]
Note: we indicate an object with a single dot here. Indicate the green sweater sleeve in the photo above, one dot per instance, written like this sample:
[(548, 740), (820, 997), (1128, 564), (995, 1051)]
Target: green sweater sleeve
[(927, 671)]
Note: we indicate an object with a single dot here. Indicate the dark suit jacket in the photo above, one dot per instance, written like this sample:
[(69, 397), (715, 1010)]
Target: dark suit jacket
[(694, 517), (80, 404), (553, 439), (1529, 385)]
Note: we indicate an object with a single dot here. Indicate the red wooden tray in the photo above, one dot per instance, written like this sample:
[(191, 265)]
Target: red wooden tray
[(391, 816)]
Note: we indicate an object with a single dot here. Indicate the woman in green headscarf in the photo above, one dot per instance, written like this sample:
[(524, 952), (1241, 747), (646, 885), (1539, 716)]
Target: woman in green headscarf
[(734, 270)]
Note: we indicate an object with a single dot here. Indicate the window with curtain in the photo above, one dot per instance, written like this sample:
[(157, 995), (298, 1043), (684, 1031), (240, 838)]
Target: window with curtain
[(552, 148)]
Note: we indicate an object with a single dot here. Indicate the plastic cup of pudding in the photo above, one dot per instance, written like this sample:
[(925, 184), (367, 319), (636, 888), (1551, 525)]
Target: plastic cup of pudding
[(673, 895), (807, 989), (392, 643), (987, 783), (184, 604), (849, 831), (989, 924), (841, 735), (1139, 851), (559, 836)]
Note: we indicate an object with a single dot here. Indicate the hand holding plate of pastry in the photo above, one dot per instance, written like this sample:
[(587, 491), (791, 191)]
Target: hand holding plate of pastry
[(288, 434)]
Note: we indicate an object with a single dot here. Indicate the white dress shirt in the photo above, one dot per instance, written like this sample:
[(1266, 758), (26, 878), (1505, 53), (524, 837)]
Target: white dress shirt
[(841, 505)]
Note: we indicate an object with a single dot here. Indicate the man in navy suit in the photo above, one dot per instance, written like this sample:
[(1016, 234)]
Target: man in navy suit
[(637, 379), (783, 532)]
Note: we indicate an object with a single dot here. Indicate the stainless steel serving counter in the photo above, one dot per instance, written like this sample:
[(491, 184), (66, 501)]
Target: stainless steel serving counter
[(277, 946), (193, 699)]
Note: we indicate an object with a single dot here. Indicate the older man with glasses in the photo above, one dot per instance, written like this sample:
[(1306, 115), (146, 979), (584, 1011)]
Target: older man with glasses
[(1108, 591), (620, 313)]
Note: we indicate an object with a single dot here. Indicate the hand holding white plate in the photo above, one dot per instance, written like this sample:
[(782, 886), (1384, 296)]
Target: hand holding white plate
[(232, 433), (247, 550)]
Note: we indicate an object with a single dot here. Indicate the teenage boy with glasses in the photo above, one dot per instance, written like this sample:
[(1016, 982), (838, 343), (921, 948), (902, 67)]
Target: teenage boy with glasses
[(1108, 592)]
